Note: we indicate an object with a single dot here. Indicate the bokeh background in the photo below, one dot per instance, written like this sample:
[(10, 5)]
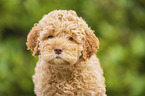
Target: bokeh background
[(119, 25)]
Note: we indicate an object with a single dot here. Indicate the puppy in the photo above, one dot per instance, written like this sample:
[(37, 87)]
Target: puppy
[(67, 63)]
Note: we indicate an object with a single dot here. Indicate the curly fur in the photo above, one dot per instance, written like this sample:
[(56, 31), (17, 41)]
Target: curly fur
[(74, 72)]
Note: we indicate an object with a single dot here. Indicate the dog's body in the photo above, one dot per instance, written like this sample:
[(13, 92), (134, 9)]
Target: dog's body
[(67, 63)]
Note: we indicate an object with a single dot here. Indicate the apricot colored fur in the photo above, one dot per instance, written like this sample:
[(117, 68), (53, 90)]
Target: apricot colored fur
[(76, 70)]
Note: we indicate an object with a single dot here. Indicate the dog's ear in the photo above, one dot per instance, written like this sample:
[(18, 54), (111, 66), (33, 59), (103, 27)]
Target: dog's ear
[(91, 44), (32, 40)]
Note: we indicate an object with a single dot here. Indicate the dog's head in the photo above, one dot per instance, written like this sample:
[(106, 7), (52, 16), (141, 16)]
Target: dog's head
[(61, 37)]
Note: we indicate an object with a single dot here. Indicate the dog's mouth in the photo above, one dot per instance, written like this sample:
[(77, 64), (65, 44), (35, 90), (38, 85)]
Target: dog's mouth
[(58, 60), (58, 57)]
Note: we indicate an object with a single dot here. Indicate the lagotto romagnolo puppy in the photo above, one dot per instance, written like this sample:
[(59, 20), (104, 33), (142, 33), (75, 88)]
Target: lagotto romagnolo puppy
[(67, 64)]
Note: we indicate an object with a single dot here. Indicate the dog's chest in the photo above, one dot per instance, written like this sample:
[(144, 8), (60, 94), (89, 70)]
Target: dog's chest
[(66, 82)]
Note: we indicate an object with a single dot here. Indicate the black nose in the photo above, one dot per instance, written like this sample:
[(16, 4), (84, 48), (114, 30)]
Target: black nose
[(58, 50)]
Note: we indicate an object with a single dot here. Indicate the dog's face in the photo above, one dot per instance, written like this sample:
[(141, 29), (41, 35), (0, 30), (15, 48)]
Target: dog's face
[(60, 47), (61, 37)]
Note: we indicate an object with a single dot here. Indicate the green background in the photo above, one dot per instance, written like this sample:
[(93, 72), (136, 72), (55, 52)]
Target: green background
[(119, 25)]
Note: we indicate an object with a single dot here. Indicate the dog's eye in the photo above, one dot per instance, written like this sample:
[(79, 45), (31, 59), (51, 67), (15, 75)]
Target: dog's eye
[(50, 36), (70, 38)]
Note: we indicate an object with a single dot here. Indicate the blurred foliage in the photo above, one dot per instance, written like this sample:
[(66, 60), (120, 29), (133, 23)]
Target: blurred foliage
[(119, 25)]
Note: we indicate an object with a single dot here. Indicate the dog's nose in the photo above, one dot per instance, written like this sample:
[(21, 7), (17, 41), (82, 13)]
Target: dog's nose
[(58, 50)]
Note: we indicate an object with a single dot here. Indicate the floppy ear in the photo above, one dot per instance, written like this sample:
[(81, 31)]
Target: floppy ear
[(32, 40), (91, 44)]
